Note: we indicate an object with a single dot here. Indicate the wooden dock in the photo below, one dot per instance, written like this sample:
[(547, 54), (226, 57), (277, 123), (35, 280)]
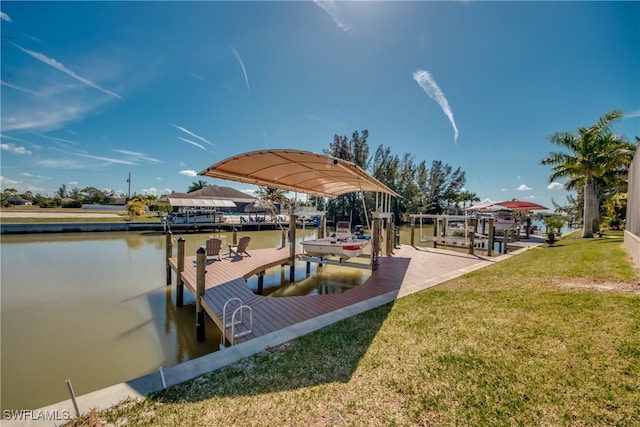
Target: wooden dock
[(226, 279)]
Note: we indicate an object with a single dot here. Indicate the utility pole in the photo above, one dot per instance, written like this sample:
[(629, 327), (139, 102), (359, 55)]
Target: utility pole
[(129, 182)]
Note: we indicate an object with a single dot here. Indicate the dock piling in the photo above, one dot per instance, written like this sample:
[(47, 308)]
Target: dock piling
[(180, 284), (169, 254), (201, 259)]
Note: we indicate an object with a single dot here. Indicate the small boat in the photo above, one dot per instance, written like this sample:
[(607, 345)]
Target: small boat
[(342, 244), (503, 219)]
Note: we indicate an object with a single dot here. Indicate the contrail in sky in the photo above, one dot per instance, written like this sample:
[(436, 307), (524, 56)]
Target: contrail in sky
[(188, 132), (192, 143), (244, 70), (429, 85), (60, 67)]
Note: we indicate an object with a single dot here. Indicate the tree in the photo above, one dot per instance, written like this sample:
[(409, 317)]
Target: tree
[(92, 195), (443, 184), (273, 195), (62, 192), (355, 150), (595, 156), (466, 196), (195, 186)]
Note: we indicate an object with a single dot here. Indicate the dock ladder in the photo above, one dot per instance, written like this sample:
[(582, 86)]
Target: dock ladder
[(237, 320)]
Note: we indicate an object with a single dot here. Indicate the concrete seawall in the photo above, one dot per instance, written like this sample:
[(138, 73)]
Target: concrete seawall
[(74, 227)]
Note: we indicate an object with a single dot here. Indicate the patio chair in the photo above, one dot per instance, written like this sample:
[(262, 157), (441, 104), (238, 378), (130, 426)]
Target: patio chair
[(241, 247), (213, 248)]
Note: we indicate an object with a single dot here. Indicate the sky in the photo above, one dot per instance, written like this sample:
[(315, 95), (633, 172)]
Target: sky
[(94, 91)]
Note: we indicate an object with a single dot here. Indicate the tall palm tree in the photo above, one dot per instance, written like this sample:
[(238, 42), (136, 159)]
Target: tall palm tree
[(595, 153), (195, 186)]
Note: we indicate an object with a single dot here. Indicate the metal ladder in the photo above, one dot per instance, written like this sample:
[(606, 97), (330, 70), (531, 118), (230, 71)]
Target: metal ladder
[(236, 320)]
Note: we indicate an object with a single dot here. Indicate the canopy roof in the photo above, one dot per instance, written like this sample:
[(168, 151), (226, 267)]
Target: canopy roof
[(209, 203), (510, 204), (294, 170)]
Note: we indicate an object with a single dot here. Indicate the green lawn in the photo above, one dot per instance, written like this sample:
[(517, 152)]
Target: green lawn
[(548, 337)]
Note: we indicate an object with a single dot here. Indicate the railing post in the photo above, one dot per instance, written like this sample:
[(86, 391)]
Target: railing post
[(169, 254), (180, 284), (201, 259), (235, 237)]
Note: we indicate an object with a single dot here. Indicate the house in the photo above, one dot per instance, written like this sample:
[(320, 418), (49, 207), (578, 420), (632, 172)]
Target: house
[(17, 201), (225, 199)]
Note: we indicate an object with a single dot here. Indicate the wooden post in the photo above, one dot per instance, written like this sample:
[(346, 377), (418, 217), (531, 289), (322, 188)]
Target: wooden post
[(260, 282), (292, 248), (435, 231), (201, 259), (284, 238), (322, 231), (490, 238), (235, 236), (308, 270), (472, 235), (389, 237), (169, 254), (375, 243), (413, 230), (180, 284)]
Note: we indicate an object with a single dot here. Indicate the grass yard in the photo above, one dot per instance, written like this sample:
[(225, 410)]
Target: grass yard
[(550, 337)]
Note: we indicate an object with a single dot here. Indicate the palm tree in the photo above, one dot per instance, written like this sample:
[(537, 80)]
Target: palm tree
[(595, 154), (466, 196), (195, 186), (273, 195)]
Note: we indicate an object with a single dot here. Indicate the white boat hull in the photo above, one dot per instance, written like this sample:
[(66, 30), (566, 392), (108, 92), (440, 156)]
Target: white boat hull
[(330, 246)]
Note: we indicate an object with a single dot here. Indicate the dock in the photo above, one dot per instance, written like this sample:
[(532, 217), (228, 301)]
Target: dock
[(225, 280)]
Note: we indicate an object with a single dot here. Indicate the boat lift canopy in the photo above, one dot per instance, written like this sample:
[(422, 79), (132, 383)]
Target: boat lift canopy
[(295, 170)]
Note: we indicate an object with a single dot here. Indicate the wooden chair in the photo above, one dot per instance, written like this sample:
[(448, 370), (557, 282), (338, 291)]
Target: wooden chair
[(241, 247), (213, 248)]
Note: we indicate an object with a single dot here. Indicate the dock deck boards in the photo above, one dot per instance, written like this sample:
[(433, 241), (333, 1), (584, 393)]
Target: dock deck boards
[(226, 279)]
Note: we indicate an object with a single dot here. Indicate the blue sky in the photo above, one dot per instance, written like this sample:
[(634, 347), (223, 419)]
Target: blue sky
[(93, 91)]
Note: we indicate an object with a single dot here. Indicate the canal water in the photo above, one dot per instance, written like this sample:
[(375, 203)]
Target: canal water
[(94, 308)]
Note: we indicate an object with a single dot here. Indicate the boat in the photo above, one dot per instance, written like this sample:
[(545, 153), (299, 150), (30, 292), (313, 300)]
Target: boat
[(197, 216), (503, 219), (342, 244)]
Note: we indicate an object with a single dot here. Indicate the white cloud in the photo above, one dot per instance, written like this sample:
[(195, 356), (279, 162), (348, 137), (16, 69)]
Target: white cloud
[(14, 149), (632, 114), (188, 172), (5, 17), (555, 186), (331, 7), (8, 182), (503, 189), (244, 70), (523, 187), (429, 85)]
